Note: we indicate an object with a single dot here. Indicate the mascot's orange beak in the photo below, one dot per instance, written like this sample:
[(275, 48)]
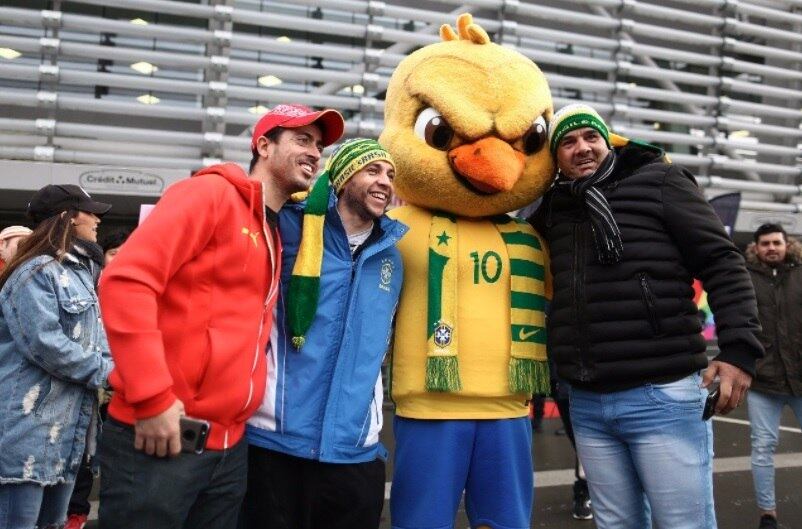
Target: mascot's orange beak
[(490, 165)]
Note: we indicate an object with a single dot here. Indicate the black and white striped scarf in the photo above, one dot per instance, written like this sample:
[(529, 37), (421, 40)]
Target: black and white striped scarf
[(606, 235)]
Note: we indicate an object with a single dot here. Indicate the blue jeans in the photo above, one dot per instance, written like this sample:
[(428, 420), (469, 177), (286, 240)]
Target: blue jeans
[(28, 505), (644, 444), (764, 415)]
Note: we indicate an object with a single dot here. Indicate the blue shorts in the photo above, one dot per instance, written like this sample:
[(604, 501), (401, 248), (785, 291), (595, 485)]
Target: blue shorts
[(435, 460)]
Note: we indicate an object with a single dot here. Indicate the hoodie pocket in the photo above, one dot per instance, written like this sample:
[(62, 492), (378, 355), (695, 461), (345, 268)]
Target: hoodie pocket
[(226, 381), (199, 376), (649, 301)]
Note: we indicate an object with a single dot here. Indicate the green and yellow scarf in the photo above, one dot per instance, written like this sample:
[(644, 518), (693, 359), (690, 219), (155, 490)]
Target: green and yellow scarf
[(528, 370)]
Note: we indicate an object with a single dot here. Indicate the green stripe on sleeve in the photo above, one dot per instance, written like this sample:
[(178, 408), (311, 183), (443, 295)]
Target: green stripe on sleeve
[(519, 237), (526, 300), (522, 267)]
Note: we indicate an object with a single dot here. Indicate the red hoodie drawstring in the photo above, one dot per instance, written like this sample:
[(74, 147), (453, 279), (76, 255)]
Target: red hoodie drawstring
[(248, 238)]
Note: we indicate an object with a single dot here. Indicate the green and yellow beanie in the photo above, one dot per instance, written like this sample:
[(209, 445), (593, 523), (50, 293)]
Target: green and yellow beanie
[(304, 290), (572, 117)]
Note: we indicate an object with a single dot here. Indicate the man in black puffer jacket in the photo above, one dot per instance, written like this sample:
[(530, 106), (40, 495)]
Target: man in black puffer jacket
[(627, 234)]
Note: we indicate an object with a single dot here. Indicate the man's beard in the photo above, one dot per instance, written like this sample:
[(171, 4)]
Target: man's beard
[(357, 207)]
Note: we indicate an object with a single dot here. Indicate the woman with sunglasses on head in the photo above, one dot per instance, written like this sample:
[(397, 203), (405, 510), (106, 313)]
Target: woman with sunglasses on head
[(53, 357)]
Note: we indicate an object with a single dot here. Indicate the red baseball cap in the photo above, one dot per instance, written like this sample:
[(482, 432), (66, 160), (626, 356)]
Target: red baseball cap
[(292, 116)]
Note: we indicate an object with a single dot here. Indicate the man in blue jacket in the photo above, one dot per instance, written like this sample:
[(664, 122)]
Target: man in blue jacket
[(315, 457)]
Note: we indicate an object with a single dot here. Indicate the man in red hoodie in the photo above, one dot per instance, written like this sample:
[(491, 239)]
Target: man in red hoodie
[(188, 305)]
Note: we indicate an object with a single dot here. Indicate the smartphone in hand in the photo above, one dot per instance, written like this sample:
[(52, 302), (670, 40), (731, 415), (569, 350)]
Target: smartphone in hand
[(193, 435), (710, 404)]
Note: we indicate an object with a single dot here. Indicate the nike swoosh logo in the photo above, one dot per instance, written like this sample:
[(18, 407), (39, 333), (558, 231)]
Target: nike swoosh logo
[(524, 336)]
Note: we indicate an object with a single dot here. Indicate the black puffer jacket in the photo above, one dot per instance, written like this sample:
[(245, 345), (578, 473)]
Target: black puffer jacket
[(613, 327), (779, 302)]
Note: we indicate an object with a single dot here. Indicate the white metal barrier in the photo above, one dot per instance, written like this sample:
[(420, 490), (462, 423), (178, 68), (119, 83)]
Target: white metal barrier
[(716, 82)]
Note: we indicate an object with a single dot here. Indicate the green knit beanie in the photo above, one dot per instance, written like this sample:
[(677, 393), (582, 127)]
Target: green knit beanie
[(304, 290), (351, 157), (572, 117)]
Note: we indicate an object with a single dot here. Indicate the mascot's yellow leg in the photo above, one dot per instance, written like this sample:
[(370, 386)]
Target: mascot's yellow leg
[(484, 527)]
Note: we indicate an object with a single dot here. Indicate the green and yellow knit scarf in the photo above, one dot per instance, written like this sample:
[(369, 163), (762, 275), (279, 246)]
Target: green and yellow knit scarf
[(528, 370), (304, 290), (617, 141)]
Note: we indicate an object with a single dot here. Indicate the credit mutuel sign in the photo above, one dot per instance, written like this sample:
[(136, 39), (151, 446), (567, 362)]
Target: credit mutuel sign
[(112, 180)]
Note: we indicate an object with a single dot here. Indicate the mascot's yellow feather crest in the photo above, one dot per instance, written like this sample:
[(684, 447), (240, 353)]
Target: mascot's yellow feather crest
[(467, 31)]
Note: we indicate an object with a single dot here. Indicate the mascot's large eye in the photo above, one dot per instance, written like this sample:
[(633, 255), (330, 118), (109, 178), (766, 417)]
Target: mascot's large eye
[(432, 127), (535, 137)]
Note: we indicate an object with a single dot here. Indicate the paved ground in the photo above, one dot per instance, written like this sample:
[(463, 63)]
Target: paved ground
[(735, 503)]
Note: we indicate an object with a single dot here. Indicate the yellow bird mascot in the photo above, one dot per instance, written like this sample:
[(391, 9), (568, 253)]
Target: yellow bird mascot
[(466, 123)]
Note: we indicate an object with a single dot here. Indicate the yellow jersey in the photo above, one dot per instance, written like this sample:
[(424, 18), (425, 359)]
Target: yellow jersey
[(483, 320)]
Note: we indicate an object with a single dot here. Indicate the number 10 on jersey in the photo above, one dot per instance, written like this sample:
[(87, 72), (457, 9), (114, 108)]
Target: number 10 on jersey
[(487, 267)]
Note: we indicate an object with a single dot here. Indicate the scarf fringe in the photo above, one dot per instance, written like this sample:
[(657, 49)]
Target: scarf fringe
[(442, 374), (529, 376)]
